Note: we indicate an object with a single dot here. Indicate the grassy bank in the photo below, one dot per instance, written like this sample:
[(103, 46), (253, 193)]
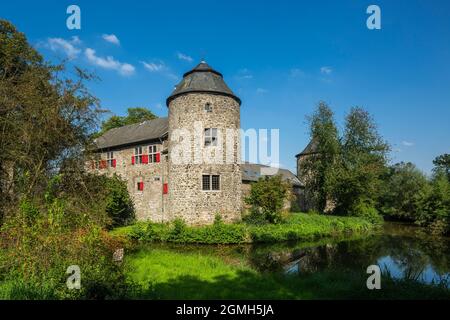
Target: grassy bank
[(298, 226), (168, 274)]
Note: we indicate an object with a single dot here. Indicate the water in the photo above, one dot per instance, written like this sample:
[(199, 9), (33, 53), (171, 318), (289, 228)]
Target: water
[(401, 250)]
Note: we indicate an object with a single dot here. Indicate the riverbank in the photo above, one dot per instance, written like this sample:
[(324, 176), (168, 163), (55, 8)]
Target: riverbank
[(160, 273), (298, 226)]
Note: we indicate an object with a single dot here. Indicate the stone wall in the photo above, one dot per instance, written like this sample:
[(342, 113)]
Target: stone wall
[(150, 203), (187, 200)]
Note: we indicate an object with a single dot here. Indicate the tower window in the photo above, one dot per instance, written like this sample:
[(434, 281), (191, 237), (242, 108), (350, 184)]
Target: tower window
[(208, 107), (210, 182), (210, 137)]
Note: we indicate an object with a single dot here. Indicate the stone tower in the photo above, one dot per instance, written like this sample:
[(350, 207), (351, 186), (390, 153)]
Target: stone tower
[(204, 178)]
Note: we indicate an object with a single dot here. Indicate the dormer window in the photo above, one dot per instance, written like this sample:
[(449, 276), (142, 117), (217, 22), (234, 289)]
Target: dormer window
[(208, 107), (210, 137)]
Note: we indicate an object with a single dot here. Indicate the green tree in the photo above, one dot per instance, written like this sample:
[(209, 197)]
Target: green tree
[(46, 119), (402, 190), (134, 115), (362, 164), (442, 163), (318, 169), (119, 205), (267, 198)]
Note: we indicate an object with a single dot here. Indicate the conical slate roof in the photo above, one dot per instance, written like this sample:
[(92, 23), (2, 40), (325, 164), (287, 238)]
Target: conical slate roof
[(202, 79)]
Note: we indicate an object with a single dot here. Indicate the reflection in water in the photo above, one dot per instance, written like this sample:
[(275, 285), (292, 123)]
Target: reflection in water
[(399, 251)]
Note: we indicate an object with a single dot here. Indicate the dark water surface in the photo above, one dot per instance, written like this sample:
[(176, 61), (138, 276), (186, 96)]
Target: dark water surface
[(402, 250)]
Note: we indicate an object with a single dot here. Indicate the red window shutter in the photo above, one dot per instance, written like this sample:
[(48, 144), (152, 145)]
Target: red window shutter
[(145, 159), (132, 160), (165, 188), (158, 157), (114, 163), (103, 164)]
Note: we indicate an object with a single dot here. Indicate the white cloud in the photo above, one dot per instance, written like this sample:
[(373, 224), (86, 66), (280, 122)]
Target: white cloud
[(407, 143), (154, 67), (111, 38), (295, 72), (159, 67), (261, 90), (67, 46), (109, 62), (184, 57), (244, 74), (326, 70)]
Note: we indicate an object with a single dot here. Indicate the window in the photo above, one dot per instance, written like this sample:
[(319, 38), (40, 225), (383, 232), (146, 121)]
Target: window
[(138, 156), (210, 182), (208, 107), (140, 186), (153, 154), (111, 162), (210, 137)]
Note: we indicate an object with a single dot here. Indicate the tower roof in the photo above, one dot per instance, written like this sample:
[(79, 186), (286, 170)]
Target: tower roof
[(202, 79)]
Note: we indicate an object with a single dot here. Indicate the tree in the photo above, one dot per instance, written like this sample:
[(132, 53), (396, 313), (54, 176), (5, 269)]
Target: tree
[(318, 169), (267, 198), (362, 163), (134, 115), (402, 190), (45, 119), (442, 163)]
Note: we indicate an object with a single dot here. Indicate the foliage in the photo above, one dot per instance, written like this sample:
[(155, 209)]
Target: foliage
[(345, 171), (267, 198), (442, 163), (46, 120), (119, 205), (52, 213), (318, 168), (402, 191), (134, 115), (362, 163), (366, 210), (434, 205), (297, 226), (37, 252)]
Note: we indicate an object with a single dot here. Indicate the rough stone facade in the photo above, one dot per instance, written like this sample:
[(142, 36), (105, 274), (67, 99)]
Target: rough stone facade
[(186, 197), (150, 202)]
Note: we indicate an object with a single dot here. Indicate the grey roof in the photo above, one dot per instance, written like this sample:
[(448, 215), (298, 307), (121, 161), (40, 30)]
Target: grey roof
[(311, 148), (202, 79), (252, 172), (133, 133)]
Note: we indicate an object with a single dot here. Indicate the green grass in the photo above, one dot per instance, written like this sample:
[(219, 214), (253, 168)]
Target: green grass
[(168, 274), (298, 226)]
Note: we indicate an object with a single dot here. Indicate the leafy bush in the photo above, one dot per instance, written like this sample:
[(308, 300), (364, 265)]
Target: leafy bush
[(297, 226), (119, 205), (35, 258), (366, 211), (267, 198)]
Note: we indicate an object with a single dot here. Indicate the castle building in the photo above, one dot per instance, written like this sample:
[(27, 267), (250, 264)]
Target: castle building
[(187, 165)]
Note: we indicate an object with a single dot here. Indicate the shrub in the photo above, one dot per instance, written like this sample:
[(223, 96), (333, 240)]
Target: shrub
[(267, 198), (366, 211), (119, 205)]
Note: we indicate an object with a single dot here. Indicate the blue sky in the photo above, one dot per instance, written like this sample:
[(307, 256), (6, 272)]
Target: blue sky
[(280, 57)]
